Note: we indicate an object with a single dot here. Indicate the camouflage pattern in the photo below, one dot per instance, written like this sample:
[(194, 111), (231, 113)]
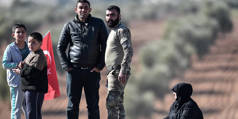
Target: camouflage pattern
[(119, 48), (118, 52), (115, 96)]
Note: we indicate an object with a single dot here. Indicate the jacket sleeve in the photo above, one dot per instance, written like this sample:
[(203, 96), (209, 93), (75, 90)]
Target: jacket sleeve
[(187, 113), (103, 34), (63, 43), (6, 60), (171, 112), (125, 40)]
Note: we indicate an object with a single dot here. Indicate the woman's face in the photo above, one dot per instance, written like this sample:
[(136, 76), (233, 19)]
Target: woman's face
[(175, 95)]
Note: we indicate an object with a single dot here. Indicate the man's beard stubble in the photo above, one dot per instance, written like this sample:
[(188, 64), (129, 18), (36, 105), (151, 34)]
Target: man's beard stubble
[(112, 23)]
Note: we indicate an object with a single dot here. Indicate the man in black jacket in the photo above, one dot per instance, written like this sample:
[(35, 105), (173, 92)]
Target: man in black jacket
[(85, 38), (184, 107)]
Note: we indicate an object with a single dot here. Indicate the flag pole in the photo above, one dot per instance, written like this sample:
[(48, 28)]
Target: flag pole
[(46, 33)]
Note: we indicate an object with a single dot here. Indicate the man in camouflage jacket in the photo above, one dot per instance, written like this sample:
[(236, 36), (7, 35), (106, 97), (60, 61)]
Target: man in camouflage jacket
[(117, 59)]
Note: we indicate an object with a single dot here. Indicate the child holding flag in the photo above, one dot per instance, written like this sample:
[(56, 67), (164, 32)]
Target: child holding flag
[(33, 71)]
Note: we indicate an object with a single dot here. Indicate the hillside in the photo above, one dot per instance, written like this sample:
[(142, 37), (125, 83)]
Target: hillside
[(215, 79)]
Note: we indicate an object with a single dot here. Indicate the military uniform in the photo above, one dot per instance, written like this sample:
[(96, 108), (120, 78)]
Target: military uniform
[(118, 59)]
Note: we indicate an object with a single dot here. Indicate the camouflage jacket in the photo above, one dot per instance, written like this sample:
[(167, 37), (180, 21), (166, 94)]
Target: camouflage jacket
[(119, 48)]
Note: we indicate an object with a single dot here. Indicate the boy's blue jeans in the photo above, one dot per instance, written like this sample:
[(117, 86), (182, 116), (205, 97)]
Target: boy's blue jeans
[(34, 101), (77, 79)]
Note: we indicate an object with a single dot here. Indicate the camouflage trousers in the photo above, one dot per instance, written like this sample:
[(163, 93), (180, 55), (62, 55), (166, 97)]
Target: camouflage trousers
[(115, 96)]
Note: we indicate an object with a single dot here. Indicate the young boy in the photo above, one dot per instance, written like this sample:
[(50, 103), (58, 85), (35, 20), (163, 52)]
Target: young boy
[(33, 71), (13, 55)]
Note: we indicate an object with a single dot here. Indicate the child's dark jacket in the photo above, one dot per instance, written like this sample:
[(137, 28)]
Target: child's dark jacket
[(34, 73)]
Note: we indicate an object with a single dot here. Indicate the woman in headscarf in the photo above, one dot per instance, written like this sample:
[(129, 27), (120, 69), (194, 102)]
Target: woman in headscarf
[(184, 107)]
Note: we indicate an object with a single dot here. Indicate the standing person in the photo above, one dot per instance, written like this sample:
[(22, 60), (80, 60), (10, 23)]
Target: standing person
[(118, 59), (33, 71), (13, 55), (184, 107), (86, 38)]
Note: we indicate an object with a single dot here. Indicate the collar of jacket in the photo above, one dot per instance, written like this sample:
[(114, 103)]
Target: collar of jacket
[(76, 19), (38, 51), (35, 59), (17, 48)]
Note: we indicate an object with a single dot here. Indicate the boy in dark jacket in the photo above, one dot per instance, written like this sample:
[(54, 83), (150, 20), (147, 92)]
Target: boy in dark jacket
[(33, 71), (184, 107)]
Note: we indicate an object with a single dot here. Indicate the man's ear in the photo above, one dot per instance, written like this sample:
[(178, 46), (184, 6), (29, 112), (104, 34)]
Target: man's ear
[(75, 10), (13, 34), (90, 9)]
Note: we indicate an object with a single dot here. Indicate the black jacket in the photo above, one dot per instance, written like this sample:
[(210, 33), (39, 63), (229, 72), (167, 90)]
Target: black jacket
[(188, 110), (184, 106), (34, 79), (86, 41)]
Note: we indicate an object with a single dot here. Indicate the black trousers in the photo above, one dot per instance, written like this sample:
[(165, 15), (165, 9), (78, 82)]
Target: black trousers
[(77, 79), (34, 101)]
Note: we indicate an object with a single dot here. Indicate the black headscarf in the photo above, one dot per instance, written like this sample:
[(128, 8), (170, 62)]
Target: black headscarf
[(183, 92)]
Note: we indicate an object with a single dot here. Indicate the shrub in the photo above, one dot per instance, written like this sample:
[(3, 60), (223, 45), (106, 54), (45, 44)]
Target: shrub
[(138, 104), (219, 11), (197, 30), (4, 89), (232, 3), (163, 60)]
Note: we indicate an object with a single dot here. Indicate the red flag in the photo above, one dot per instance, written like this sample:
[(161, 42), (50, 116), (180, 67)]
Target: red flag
[(53, 85)]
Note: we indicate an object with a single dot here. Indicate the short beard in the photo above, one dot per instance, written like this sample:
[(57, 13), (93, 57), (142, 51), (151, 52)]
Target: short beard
[(82, 17), (112, 23)]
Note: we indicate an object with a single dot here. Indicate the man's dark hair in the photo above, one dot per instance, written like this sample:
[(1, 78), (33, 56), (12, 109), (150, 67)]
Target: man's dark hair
[(114, 7), (15, 26), (83, 1), (37, 36)]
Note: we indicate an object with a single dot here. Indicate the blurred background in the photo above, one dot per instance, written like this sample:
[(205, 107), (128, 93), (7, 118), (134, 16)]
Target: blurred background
[(174, 40)]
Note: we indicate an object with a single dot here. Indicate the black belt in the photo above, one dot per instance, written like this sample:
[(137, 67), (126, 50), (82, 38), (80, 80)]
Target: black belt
[(82, 67)]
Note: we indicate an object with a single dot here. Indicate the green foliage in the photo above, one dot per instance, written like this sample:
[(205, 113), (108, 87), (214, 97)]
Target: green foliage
[(219, 11), (197, 30), (34, 16), (160, 62), (138, 104), (55, 33), (172, 53), (154, 81), (192, 33), (232, 3), (193, 29), (4, 89), (187, 7)]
